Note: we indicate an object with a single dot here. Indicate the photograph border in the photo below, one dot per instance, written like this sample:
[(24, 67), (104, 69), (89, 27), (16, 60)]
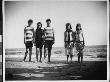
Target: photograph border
[(108, 61)]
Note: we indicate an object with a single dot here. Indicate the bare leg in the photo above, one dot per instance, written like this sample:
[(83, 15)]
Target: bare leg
[(40, 54), (30, 53), (78, 57), (71, 53), (44, 52), (67, 58), (71, 56), (37, 53), (25, 54), (67, 53), (82, 57), (49, 54)]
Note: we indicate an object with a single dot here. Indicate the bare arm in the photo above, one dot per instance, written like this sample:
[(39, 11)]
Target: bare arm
[(44, 34), (64, 37), (53, 36), (83, 39), (34, 36), (24, 35)]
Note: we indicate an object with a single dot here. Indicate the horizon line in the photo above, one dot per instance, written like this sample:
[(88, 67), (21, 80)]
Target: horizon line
[(62, 46)]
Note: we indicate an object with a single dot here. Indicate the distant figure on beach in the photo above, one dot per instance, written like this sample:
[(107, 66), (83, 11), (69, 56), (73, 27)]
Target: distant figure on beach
[(48, 38), (28, 39), (79, 39), (69, 36), (39, 40)]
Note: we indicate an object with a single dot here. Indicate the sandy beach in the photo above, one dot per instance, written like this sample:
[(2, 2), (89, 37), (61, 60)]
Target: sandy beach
[(57, 69), (94, 66)]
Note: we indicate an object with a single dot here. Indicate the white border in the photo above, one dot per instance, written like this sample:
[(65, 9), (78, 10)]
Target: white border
[(55, 0), (3, 42), (57, 80), (108, 61)]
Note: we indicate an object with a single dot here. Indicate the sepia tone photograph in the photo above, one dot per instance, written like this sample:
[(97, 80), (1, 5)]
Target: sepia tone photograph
[(55, 40)]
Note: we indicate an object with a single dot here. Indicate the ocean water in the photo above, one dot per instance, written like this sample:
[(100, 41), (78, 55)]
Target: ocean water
[(92, 51)]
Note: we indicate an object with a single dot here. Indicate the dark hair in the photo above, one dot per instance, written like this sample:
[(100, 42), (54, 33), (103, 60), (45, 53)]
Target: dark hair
[(67, 24), (48, 20), (30, 20), (39, 23), (78, 25)]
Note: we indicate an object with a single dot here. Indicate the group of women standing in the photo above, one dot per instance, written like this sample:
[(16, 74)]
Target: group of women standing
[(39, 38), (74, 39), (45, 37)]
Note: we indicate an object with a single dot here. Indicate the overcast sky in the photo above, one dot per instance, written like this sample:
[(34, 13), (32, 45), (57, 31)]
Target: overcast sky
[(91, 14)]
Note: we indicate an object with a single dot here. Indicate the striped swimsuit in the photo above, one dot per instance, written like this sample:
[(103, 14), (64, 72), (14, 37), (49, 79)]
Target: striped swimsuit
[(49, 33), (29, 36)]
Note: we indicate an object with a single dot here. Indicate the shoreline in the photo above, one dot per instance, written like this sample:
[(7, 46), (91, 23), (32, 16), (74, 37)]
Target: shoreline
[(85, 58)]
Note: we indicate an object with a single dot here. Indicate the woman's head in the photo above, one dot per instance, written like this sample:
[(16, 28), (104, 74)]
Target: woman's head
[(78, 27), (39, 25), (68, 26)]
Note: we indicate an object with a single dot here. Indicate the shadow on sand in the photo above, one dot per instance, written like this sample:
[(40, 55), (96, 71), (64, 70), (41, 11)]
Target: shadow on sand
[(89, 70)]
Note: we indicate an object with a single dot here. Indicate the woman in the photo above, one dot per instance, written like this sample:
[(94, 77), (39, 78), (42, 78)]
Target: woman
[(69, 41), (79, 39), (39, 40)]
